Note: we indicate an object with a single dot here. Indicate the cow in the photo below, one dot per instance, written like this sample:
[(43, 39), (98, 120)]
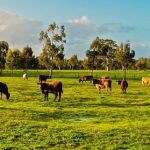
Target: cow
[(43, 78), (145, 81), (54, 87), (4, 90), (103, 83), (123, 85), (85, 78), (25, 76)]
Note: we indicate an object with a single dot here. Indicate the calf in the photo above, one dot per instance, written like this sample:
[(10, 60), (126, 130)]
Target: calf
[(4, 90), (123, 85), (25, 76), (44, 78), (54, 87), (103, 83), (85, 78)]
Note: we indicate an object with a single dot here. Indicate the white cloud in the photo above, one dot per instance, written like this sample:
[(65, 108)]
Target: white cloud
[(18, 32), (84, 20)]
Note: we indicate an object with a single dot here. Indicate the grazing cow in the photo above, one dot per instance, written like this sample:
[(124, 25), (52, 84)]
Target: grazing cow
[(123, 85), (85, 78), (103, 83), (4, 90), (145, 81), (25, 76), (44, 78), (54, 87)]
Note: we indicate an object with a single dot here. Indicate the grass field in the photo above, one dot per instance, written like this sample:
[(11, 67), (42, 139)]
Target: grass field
[(83, 120)]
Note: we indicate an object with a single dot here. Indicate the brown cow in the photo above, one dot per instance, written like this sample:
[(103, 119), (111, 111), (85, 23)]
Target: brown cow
[(103, 83), (85, 78), (145, 81), (54, 87), (123, 85)]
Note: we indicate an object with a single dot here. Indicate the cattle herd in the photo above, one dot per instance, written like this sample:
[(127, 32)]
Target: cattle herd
[(55, 87)]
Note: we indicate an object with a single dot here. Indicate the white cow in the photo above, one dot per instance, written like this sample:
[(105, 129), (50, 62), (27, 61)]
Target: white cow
[(25, 76)]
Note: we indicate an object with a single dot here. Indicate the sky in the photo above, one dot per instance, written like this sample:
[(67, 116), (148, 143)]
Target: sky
[(21, 21)]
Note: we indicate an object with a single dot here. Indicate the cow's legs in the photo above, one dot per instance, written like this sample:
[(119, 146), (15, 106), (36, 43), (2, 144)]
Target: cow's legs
[(1, 95), (46, 95), (59, 96), (56, 94)]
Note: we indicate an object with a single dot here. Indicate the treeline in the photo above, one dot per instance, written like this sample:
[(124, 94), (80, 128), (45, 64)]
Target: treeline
[(102, 54), (25, 59)]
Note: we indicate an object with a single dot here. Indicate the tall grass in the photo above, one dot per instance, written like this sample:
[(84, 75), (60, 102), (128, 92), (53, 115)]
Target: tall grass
[(82, 120)]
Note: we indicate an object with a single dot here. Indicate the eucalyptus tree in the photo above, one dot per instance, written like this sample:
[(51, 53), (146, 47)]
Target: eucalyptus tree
[(124, 55), (27, 56), (101, 50), (53, 44), (73, 62), (9, 59), (3, 51)]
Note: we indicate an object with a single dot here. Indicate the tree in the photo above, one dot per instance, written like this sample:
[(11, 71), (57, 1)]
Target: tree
[(141, 63), (3, 51), (9, 60), (101, 49), (73, 62), (17, 59), (59, 60), (124, 55), (27, 55), (53, 44)]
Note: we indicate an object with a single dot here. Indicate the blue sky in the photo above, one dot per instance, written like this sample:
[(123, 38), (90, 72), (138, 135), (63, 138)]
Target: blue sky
[(120, 20)]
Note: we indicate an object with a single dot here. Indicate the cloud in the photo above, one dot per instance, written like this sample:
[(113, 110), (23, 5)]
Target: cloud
[(84, 20), (83, 30), (18, 32), (115, 27), (141, 49)]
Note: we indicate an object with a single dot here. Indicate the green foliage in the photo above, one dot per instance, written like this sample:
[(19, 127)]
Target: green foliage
[(53, 46), (3, 51), (82, 120)]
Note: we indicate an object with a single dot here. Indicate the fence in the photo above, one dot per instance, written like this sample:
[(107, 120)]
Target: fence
[(114, 74)]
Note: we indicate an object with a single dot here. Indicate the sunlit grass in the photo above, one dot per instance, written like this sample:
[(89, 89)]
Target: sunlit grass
[(83, 119)]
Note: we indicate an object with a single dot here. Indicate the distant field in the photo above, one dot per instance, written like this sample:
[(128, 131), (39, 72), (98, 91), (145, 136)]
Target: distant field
[(114, 74), (82, 120)]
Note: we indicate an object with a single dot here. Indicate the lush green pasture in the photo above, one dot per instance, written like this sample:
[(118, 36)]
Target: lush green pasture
[(82, 120)]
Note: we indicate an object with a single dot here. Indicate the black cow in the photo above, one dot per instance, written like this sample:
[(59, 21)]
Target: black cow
[(44, 78), (4, 90), (85, 78)]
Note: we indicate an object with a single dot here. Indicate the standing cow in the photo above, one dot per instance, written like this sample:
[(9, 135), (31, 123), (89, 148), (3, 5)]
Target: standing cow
[(4, 90), (54, 87), (103, 83), (123, 85), (25, 76)]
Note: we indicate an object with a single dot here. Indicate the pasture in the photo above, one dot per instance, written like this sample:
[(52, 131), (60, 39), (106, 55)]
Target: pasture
[(82, 120)]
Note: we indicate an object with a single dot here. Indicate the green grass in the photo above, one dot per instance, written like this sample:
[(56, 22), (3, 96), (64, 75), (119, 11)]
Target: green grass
[(82, 120)]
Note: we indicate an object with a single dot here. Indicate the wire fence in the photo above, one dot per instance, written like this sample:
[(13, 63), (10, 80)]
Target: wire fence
[(114, 74)]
